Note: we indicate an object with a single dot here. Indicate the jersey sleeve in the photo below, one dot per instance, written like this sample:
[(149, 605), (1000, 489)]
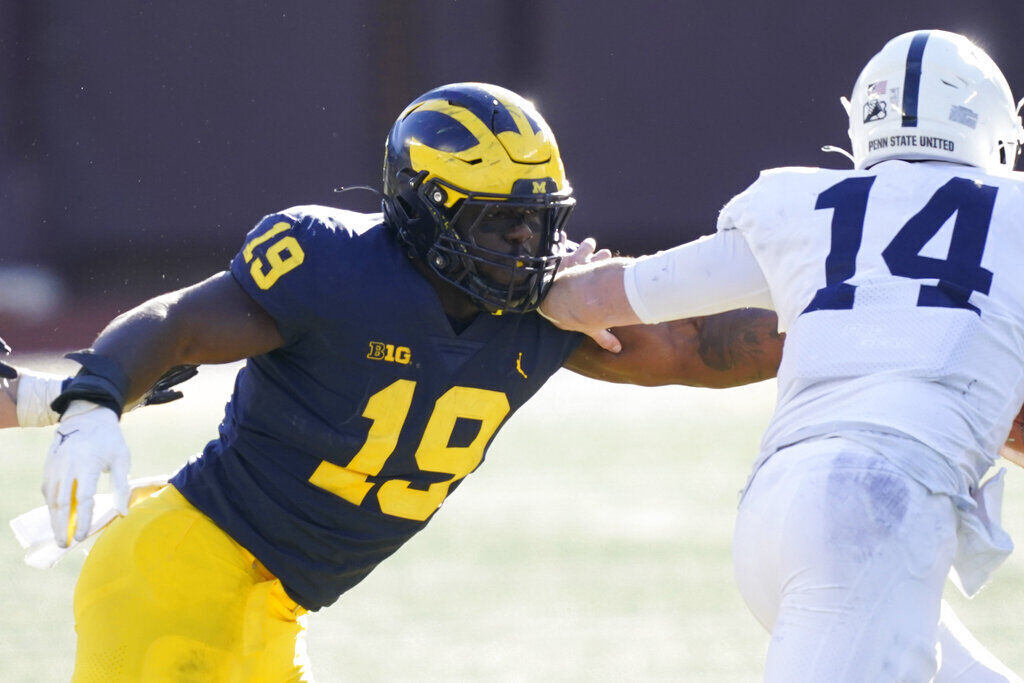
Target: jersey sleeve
[(732, 214), (277, 268)]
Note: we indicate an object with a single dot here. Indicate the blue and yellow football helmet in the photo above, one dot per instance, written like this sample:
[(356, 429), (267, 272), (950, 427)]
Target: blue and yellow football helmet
[(457, 156)]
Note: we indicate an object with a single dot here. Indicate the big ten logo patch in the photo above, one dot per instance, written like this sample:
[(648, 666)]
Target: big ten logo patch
[(390, 353)]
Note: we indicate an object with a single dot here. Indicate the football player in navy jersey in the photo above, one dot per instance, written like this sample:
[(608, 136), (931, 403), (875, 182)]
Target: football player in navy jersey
[(384, 353)]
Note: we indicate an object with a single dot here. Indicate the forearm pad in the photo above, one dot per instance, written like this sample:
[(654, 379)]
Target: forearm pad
[(101, 381)]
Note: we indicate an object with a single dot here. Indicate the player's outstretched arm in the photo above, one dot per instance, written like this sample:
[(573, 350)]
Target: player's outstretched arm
[(707, 276), (214, 321), (724, 350), (25, 395), (25, 399)]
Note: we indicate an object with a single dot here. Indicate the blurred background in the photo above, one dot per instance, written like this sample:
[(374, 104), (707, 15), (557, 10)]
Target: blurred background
[(142, 140)]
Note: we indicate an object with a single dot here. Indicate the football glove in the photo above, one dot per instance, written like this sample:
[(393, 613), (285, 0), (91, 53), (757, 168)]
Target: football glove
[(88, 442), (162, 391)]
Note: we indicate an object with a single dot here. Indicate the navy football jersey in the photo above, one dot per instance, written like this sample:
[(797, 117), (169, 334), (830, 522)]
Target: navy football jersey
[(339, 446)]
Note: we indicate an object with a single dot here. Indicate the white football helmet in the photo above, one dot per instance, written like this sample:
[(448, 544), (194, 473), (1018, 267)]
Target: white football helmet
[(933, 95)]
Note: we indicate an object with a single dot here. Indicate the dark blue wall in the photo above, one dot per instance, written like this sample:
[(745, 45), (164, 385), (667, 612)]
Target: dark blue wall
[(141, 140)]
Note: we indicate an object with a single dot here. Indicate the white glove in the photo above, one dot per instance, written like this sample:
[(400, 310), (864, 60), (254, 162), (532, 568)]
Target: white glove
[(88, 442)]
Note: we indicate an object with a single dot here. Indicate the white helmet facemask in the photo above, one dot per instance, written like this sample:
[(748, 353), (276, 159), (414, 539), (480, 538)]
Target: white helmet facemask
[(933, 95)]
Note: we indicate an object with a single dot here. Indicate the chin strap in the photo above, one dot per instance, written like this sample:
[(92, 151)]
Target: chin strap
[(845, 101), (839, 150), (349, 188)]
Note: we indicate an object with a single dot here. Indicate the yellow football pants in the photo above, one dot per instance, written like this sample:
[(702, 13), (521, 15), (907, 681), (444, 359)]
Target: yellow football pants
[(165, 595)]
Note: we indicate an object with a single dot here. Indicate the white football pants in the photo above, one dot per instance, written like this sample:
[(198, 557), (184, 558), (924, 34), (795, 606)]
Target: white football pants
[(843, 559)]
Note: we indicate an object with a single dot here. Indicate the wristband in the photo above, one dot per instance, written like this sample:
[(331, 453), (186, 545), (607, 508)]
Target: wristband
[(100, 381)]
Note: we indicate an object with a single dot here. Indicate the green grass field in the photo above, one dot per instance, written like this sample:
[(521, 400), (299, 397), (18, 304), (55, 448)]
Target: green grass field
[(593, 544)]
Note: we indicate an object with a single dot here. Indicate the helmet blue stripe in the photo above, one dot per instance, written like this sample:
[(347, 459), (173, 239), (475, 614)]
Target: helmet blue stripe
[(912, 81), (438, 130), (482, 104), (533, 124)]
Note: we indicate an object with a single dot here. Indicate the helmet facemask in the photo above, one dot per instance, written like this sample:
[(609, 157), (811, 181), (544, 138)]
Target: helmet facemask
[(497, 281)]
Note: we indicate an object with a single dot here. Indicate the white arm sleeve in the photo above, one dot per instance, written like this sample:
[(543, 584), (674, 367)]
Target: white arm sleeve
[(711, 275), (36, 391)]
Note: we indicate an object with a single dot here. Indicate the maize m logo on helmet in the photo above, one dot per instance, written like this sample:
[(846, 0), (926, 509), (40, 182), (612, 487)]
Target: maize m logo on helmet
[(471, 149), (933, 95)]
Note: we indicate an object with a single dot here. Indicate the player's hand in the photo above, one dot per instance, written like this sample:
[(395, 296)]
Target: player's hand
[(88, 442), (602, 337), (584, 252), (605, 339), (6, 371)]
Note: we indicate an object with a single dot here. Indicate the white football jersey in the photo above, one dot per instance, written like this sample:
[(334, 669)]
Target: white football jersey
[(901, 292)]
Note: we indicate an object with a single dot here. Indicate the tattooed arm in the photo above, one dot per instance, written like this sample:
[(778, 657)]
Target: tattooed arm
[(724, 350)]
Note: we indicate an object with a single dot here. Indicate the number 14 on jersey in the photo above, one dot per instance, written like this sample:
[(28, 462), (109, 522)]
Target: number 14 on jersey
[(959, 274)]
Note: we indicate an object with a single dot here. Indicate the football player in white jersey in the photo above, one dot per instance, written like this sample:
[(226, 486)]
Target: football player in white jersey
[(898, 285)]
